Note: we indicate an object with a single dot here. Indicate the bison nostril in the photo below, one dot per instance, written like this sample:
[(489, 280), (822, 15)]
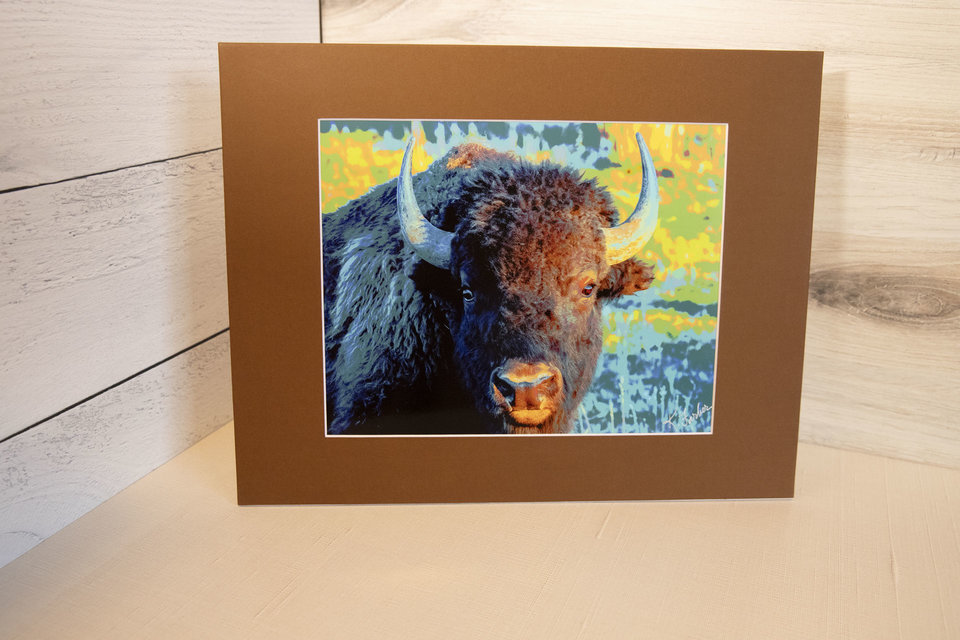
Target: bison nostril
[(503, 386)]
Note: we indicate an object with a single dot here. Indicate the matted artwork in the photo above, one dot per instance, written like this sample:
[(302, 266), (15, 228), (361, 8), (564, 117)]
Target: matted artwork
[(471, 273), (575, 289)]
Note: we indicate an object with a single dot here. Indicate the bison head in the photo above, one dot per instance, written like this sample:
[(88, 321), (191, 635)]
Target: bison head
[(534, 251)]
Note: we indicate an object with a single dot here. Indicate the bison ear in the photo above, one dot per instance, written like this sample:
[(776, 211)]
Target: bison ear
[(428, 278), (625, 278)]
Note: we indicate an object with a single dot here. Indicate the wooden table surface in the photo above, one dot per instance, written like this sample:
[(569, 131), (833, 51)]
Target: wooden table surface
[(869, 548)]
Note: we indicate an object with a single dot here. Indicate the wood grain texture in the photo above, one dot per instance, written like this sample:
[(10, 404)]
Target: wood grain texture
[(56, 472), (869, 548), (890, 293), (882, 347), (93, 86), (105, 276)]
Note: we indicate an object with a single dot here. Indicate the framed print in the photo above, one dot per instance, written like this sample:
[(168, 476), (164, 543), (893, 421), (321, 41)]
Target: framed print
[(516, 273), (548, 335)]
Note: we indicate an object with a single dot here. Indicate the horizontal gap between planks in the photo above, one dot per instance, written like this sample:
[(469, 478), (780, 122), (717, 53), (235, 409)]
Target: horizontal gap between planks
[(115, 385), (101, 173)]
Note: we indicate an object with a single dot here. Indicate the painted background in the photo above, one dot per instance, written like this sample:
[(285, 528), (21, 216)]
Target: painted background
[(656, 371)]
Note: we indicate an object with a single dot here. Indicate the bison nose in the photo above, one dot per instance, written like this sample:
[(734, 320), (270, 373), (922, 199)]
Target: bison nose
[(522, 385)]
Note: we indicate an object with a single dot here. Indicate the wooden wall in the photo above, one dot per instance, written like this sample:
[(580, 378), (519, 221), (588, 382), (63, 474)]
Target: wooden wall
[(113, 317), (112, 298)]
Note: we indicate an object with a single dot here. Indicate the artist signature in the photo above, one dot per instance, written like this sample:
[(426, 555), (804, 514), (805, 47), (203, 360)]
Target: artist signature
[(685, 421)]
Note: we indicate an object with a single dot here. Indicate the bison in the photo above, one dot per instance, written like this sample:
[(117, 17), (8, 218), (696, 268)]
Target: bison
[(467, 298)]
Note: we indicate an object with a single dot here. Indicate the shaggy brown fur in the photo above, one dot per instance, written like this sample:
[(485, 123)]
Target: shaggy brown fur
[(413, 348)]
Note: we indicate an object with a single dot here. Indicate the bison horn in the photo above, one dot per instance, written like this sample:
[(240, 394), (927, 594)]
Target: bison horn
[(430, 243), (626, 239)]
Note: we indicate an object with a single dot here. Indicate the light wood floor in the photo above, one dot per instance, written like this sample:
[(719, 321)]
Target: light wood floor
[(869, 548)]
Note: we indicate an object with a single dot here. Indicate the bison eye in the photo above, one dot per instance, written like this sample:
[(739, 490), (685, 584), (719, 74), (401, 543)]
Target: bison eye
[(467, 294), (588, 289)]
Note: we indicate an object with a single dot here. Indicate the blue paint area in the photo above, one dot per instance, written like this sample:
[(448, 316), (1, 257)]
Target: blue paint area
[(653, 383)]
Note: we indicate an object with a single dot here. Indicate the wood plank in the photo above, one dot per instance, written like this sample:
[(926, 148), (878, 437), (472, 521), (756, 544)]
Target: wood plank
[(59, 470), (887, 29), (883, 348), (94, 86), (105, 276), (880, 366), (869, 548)]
